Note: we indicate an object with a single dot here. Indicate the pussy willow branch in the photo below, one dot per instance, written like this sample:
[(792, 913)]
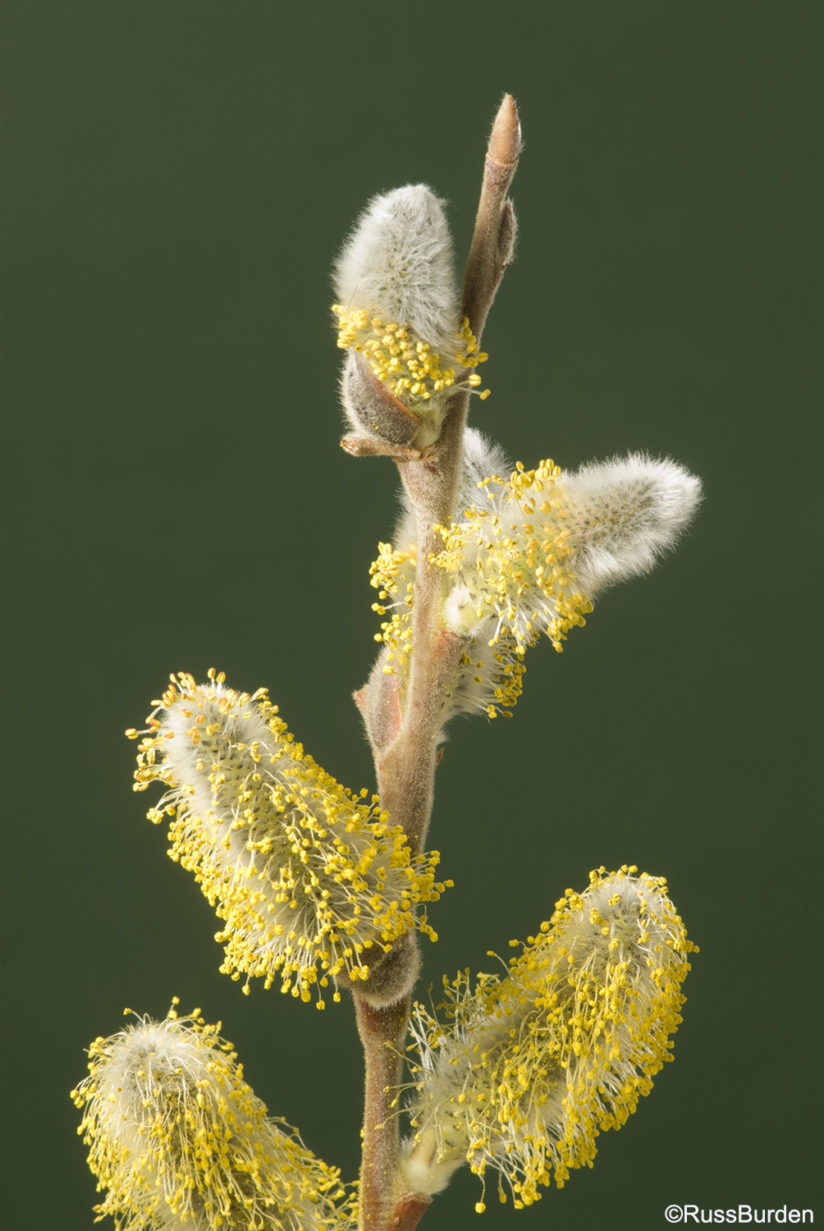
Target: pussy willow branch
[(406, 768)]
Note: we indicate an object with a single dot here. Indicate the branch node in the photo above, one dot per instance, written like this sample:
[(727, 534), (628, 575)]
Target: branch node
[(409, 1211)]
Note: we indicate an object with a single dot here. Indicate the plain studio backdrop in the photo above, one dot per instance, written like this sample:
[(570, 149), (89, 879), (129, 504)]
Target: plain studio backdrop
[(179, 177)]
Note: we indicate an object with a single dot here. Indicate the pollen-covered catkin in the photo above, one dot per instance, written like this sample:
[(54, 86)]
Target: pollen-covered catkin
[(177, 1139), (311, 882), (532, 551), (398, 310), (527, 1068), (527, 555)]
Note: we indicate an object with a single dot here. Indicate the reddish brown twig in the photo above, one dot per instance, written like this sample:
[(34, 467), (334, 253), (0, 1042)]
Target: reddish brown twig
[(406, 745)]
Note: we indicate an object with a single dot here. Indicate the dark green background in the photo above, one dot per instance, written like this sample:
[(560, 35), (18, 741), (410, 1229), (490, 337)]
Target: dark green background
[(179, 177)]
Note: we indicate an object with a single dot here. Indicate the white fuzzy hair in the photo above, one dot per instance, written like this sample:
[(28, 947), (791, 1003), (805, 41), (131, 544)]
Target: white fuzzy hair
[(398, 263), (482, 457), (623, 514)]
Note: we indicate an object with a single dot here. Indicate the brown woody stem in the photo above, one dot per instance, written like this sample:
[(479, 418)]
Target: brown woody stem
[(383, 1033), (406, 766)]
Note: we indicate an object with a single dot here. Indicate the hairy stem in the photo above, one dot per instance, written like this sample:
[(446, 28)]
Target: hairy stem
[(382, 1032), (406, 768)]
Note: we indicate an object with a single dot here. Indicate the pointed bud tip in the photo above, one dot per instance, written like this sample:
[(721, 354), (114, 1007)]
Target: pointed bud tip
[(505, 138)]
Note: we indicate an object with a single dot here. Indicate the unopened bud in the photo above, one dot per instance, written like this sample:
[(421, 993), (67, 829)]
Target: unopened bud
[(391, 976), (371, 408)]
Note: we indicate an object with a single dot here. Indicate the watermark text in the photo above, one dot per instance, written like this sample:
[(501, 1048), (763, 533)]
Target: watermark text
[(741, 1214)]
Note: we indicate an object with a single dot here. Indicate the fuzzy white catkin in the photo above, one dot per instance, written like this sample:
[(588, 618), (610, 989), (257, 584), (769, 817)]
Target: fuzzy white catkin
[(623, 514), (398, 262)]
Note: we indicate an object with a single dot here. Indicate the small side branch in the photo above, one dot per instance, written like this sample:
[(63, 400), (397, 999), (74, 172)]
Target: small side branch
[(369, 446)]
